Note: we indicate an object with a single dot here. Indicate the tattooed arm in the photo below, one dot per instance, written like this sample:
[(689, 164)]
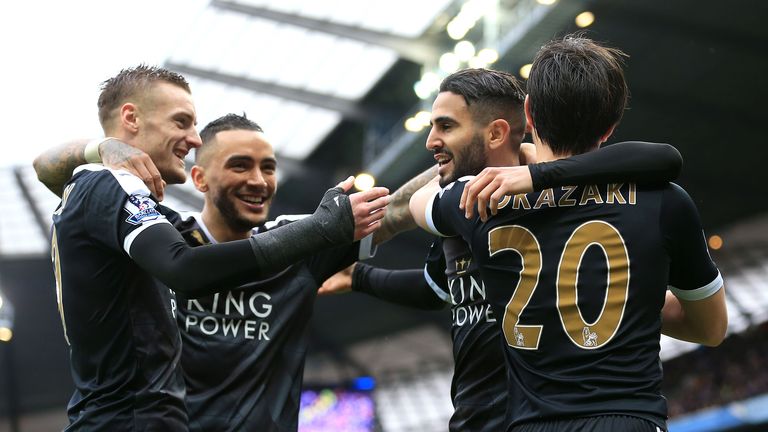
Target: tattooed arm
[(54, 166), (398, 218)]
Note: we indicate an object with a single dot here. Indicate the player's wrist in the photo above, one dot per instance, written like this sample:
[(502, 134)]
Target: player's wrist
[(92, 152)]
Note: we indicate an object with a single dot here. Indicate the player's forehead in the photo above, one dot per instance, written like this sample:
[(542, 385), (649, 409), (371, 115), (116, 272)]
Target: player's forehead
[(450, 105), (171, 100), (243, 142)]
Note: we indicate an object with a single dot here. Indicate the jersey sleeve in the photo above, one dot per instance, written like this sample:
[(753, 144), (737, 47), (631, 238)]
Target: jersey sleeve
[(443, 216), (631, 161), (323, 265), (434, 271), (692, 273), (119, 209), (403, 287)]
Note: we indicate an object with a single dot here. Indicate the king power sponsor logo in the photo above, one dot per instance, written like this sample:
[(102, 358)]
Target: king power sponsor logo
[(469, 301), (236, 315)]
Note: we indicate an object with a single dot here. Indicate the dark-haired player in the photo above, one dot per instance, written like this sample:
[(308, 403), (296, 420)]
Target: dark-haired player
[(478, 121), (244, 348), (577, 275)]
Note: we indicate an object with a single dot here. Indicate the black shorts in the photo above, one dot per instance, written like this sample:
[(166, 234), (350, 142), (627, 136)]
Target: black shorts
[(605, 423)]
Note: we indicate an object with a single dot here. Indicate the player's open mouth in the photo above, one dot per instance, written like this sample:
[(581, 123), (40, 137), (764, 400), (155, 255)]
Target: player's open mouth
[(442, 159), (254, 202), (443, 162), (181, 154)]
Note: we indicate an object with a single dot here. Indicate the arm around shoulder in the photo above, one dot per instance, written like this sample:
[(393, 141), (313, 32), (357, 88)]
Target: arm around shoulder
[(703, 321), (695, 308), (54, 166), (420, 203)]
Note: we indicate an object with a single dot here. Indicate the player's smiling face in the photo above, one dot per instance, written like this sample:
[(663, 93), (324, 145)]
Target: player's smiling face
[(455, 139), (241, 178), (166, 131)]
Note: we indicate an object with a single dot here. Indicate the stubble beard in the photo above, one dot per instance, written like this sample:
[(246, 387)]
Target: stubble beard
[(232, 217), (470, 161)]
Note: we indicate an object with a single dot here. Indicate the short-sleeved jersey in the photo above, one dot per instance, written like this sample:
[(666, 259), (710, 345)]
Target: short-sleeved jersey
[(578, 277), (479, 385), (124, 344), (244, 349)]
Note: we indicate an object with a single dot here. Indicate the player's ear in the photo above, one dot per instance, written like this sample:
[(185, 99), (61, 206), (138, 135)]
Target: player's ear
[(528, 117), (198, 178), (607, 135), (129, 118), (498, 132)]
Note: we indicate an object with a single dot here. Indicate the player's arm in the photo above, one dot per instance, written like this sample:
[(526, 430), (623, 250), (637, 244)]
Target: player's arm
[(421, 202), (404, 287), (198, 271), (398, 218), (54, 166), (682, 319), (696, 310), (631, 161)]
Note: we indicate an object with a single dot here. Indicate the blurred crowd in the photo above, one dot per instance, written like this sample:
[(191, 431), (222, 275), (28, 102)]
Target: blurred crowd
[(710, 377)]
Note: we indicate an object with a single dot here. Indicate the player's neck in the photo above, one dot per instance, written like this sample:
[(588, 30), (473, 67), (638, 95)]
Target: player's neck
[(544, 152), (503, 157), (218, 227)]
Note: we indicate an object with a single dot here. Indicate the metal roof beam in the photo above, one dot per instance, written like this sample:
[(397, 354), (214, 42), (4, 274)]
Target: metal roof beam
[(347, 107), (38, 216), (419, 50)]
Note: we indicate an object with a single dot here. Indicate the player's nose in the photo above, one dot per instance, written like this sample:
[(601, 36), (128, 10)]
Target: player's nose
[(433, 142), (194, 140)]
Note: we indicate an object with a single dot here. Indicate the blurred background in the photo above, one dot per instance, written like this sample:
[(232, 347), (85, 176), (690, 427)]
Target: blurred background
[(344, 87)]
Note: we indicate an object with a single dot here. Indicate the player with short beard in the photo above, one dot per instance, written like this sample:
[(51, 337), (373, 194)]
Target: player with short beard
[(478, 121), (578, 276)]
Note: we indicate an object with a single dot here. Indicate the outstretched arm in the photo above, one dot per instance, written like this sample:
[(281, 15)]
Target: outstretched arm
[(54, 166), (398, 218), (403, 287), (203, 270)]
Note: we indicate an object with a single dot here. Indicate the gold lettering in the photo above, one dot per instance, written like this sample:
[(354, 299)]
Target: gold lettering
[(566, 200), (521, 199), (504, 201), (614, 193), (632, 193), (591, 193), (547, 197)]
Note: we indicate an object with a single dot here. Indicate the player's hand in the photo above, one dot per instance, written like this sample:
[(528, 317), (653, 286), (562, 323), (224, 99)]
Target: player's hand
[(116, 154), (368, 207), (490, 186), (339, 283)]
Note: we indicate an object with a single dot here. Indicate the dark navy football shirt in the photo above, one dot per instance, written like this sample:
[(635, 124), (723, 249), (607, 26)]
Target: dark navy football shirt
[(118, 321), (479, 385), (244, 349), (577, 276)]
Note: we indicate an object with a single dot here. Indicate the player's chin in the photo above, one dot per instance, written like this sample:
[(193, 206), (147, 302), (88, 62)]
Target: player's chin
[(257, 220), (257, 215), (446, 179), (174, 175)]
